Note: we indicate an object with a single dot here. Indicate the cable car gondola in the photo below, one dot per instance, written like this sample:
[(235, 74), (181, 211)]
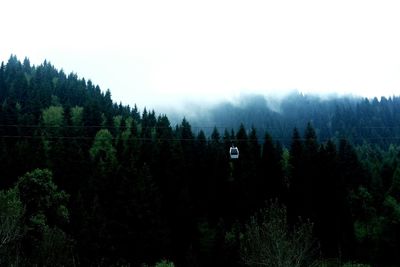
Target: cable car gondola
[(234, 152)]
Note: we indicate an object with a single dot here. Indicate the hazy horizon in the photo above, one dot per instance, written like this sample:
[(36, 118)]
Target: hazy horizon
[(165, 53)]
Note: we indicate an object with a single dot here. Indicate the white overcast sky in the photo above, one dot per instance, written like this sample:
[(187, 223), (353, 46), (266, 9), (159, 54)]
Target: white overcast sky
[(160, 52)]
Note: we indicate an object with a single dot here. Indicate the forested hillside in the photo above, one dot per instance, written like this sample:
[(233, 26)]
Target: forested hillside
[(357, 119), (88, 182)]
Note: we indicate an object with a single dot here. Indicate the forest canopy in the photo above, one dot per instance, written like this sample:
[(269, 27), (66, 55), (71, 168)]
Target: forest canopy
[(85, 181)]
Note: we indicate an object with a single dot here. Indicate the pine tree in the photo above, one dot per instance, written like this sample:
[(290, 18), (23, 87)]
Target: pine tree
[(296, 182), (271, 180)]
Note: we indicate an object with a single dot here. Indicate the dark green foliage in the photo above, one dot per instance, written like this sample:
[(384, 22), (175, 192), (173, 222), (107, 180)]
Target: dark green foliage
[(42, 199), (319, 190), (271, 182), (102, 184), (45, 216), (11, 227)]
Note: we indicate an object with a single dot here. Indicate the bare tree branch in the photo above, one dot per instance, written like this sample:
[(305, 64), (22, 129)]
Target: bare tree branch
[(268, 241)]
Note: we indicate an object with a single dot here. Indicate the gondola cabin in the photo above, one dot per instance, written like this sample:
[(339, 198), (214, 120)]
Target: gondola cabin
[(234, 152)]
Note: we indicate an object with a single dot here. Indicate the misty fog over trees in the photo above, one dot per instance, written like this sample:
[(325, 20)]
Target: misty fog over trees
[(85, 181), (357, 119)]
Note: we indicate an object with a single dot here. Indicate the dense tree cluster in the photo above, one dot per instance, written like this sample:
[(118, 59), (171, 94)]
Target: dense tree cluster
[(357, 119), (87, 182)]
